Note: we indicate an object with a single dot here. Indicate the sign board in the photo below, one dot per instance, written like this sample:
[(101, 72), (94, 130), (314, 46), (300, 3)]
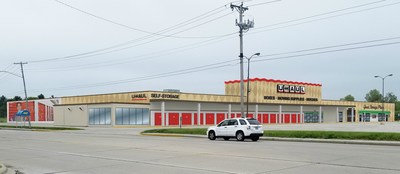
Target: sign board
[(23, 113)]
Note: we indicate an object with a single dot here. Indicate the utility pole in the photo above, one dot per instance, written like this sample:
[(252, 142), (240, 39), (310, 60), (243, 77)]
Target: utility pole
[(243, 26), (26, 96)]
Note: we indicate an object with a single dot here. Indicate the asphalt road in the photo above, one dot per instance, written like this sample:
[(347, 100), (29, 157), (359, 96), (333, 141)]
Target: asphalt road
[(105, 150)]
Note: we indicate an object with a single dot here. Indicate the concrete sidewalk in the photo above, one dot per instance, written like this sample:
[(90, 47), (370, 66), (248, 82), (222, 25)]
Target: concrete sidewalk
[(338, 141)]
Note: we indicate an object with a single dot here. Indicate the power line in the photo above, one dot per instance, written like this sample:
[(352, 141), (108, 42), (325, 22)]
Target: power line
[(277, 54), (127, 26), (174, 33), (172, 73), (5, 69), (263, 3), (190, 21), (330, 51), (328, 47), (12, 70), (224, 64), (321, 14), (280, 23), (123, 48), (320, 19), (137, 58)]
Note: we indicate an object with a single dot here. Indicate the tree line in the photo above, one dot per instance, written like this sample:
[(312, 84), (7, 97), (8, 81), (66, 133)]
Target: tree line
[(375, 96)]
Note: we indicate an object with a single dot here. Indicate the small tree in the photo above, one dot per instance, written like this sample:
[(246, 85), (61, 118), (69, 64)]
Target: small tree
[(348, 98), (17, 98), (41, 96), (390, 98), (32, 98), (373, 96), (3, 106), (3, 99)]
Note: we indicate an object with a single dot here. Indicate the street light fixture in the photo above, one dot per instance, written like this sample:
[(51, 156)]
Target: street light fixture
[(383, 93), (248, 81)]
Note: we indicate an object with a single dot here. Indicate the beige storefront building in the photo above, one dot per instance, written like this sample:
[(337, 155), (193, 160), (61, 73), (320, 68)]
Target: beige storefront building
[(270, 101)]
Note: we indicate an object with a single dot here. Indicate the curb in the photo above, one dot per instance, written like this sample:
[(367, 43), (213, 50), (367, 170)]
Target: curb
[(337, 141), (4, 170)]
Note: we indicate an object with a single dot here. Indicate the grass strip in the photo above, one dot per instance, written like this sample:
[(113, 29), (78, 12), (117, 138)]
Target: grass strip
[(3, 120), (193, 131), (378, 136), (40, 127)]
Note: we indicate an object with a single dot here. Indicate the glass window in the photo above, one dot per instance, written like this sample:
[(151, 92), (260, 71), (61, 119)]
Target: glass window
[(99, 116), (242, 122), (146, 116), (125, 116), (108, 116), (224, 123), (91, 116), (253, 121), (118, 116), (96, 116), (139, 116), (132, 116), (233, 122), (102, 115)]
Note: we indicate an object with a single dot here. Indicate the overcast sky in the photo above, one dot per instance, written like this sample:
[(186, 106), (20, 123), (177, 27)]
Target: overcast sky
[(119, 50)]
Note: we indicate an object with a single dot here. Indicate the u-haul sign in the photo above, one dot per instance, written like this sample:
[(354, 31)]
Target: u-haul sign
[(291, 89)]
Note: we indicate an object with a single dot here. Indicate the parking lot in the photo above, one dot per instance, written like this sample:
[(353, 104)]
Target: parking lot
[(124, 150)]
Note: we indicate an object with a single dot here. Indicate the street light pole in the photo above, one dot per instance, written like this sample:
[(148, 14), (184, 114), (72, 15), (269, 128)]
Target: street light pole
[(383, 94), (248, 82)]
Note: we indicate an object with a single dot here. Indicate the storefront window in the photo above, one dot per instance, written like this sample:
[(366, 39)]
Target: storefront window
[(312, 117), (100, 116), (132, 116)]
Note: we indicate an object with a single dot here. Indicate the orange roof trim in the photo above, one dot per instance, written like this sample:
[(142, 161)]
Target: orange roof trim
[(274, 81)]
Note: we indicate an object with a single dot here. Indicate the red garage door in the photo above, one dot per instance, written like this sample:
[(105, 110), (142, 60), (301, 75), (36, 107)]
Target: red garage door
[(220, 117), (273, 118), (250, 115), (157, 119), (195, 118), (286, 118), (186, 118), (210, 118), (265, 118), (294, 118), (173, 119), (42, 112), (259, 118)]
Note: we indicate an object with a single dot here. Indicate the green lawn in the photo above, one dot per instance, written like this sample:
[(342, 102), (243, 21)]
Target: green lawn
[(195, 131), (3, 119), (381, 136)]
